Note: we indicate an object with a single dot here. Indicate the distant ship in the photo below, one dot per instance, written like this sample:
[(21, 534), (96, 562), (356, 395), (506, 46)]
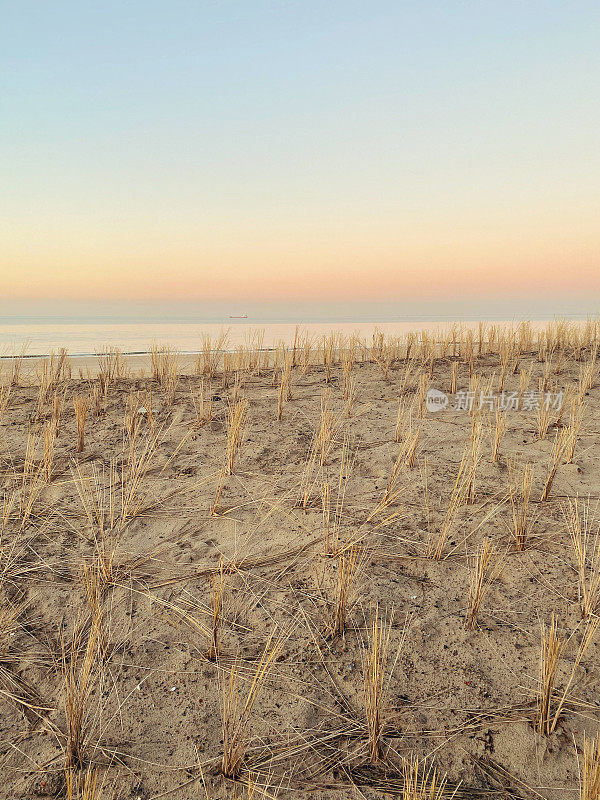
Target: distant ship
[(239, 316)]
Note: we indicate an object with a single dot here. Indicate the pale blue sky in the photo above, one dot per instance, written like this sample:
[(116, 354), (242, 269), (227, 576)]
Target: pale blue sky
[(210, 144)]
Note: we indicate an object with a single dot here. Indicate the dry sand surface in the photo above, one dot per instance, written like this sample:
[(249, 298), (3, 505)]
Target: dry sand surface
[(363, 589)]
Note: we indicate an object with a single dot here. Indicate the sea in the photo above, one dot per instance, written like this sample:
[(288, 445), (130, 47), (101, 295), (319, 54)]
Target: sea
[(86, 337)]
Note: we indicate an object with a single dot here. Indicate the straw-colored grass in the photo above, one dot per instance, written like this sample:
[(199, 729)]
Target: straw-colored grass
[(348, 567), (497, 430), (301, 507), (423, 784), (584, 531), (17, 367), (552, 701), (351, 393), (393, 490), (573, 430), (79, 670), (236, 421), (50, 435), (285, 387), (482, 575), (328, 425), (84, 786), (203, 405), (551, 652), (217, 587), (376, 676), (208, 361), (458, 497), (237, 706), (31, 479), (561, 444), (403, 420), (589, 777), (4, 399), (519, 492), (423, 387), (81, 405)]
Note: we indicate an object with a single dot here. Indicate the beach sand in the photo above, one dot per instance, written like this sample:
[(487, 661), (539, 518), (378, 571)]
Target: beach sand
[(192, 575)]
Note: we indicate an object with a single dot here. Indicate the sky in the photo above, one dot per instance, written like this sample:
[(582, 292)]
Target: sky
[(417, 155)]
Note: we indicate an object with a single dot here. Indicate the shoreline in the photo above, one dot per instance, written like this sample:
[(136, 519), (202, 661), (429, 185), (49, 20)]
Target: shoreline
[(177, 337)]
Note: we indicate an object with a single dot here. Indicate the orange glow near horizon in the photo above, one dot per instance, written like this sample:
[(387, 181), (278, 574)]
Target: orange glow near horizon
[(299, 151), (312, 267)]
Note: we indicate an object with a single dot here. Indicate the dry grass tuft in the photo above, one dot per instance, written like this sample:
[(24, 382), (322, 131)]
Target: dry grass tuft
[(236, 421), (573, 429), (589, 778), (326, 431), (50, 436), (203, 407), (393, 490), (348, 568), (17, 367), (217, 587), (497, 431), (236, 709), (350, 397), (458, 497), (81, 406), (82, 787), (551, 653), (454, 377), (584, 531), (285, 385), (482, 575), (423, 785), (375, 662), (31, 480), (221, 481), (208, 361), (560, 446), (551, 704), (403, 420), (4, 399), (519, 492), (79, 677)]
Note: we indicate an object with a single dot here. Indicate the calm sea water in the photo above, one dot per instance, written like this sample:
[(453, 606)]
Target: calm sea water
[(88, 338)]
